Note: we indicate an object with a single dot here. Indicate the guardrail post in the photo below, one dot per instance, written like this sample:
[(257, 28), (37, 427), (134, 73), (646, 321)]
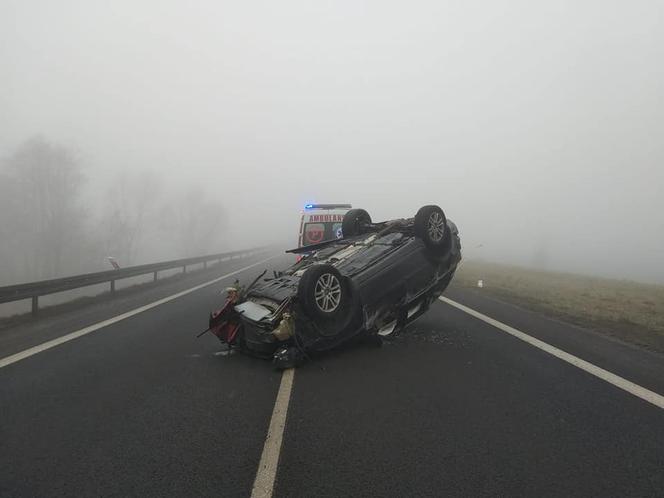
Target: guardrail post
[(35, 305), (184, 269), (205, 265), (112, 286), (155, 277)]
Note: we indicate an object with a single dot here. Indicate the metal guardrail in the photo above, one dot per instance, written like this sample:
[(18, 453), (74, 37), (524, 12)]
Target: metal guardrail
[(33, 290)]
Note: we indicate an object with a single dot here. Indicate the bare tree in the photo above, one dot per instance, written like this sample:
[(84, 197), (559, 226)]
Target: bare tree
[(130, 210), (46, 212), (196, 222), (10, 250)]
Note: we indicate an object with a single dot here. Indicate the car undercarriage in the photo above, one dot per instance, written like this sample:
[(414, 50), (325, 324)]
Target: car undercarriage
[(372, 282)]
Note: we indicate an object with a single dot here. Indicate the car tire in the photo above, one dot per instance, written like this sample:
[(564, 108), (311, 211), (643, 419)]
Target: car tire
[(325, 295), (354, 222), (431, 226)]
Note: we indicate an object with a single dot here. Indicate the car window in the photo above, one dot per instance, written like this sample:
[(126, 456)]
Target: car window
[(315, 233), (336, 230)]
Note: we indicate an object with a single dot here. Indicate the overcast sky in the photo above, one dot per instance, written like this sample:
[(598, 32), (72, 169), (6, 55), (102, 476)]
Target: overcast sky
[(537, 126)]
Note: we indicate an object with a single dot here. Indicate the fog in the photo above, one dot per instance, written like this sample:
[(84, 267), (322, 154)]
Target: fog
[(196, 127)]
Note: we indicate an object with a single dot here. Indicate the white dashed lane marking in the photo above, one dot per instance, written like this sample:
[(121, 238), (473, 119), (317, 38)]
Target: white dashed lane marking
[(267, 468)]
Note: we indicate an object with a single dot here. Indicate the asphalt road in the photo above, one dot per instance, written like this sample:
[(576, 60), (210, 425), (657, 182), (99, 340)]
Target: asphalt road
[(452, 407)]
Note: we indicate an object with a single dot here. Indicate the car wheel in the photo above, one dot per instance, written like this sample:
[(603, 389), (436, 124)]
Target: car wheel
[(431, 227), (354, 222), (324, 294)]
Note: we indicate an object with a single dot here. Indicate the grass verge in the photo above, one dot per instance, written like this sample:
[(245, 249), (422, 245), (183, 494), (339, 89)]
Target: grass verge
[(630, 311)]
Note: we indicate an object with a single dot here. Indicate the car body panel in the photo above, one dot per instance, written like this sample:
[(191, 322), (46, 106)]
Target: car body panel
[(392, 270)]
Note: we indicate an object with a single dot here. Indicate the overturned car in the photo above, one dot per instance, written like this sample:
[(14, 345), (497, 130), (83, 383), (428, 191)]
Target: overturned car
[(371, 282)]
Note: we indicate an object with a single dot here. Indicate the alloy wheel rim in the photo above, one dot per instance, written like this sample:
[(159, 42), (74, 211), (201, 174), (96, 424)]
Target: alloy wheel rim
[(327, 292), (436, 227)]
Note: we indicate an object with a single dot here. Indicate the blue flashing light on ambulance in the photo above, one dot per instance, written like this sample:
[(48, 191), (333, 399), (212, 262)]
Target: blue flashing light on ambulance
[(321, 222)]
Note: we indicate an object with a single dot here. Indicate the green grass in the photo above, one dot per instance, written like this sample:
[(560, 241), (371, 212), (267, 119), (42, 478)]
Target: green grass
[(631, 311)]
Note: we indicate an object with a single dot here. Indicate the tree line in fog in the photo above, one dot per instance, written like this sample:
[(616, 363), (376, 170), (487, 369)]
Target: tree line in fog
[(53, 224)]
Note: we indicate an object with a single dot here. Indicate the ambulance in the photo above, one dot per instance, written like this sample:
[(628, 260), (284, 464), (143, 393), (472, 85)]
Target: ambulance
[(321, 222)]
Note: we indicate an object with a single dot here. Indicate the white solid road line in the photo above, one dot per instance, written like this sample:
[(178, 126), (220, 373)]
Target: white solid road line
[(8, 360), (267, 468), (605, 375)]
